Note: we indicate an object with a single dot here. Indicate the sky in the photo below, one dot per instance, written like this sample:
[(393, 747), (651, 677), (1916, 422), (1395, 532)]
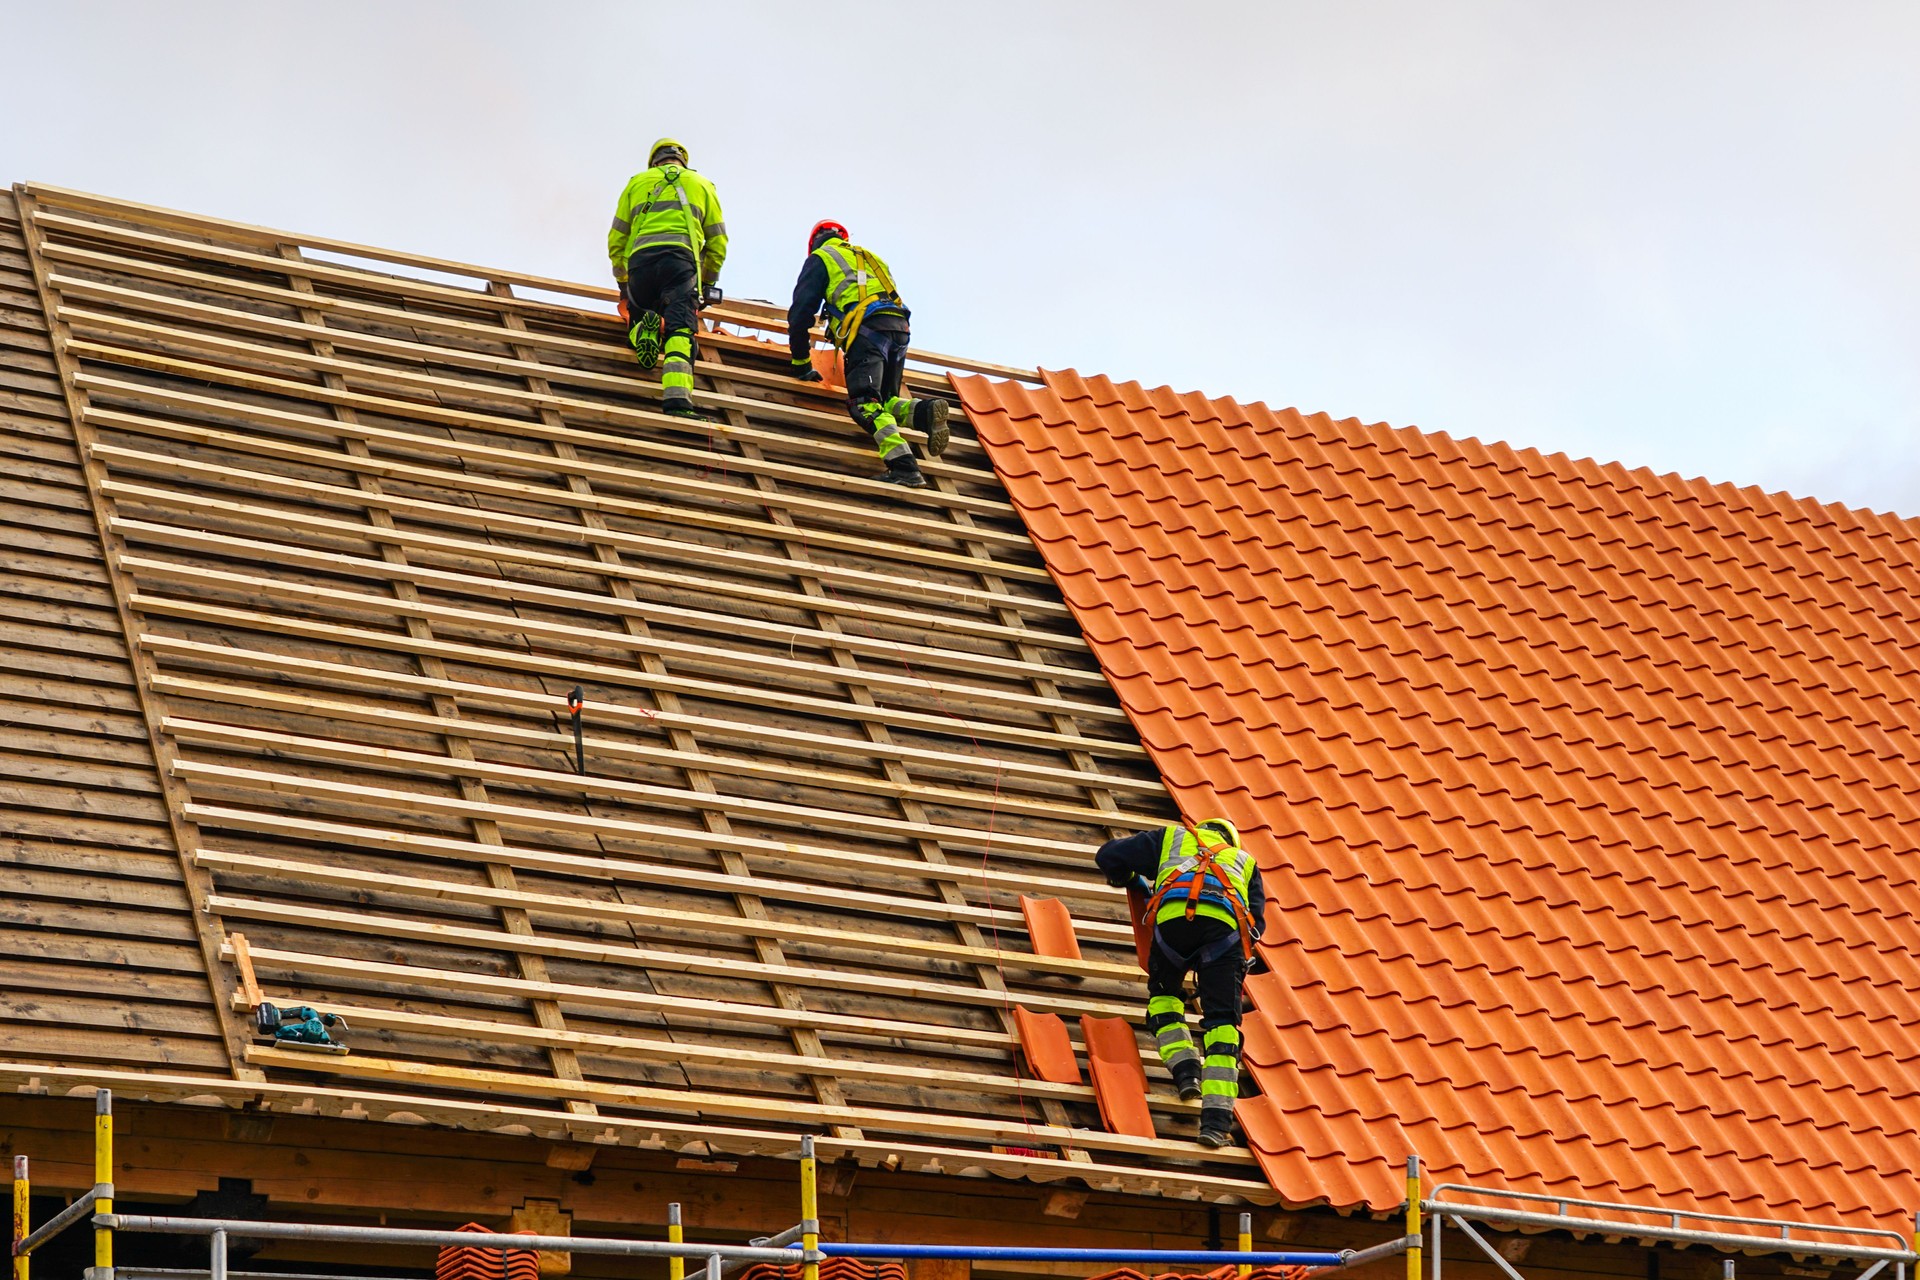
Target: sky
[(1683, 236)]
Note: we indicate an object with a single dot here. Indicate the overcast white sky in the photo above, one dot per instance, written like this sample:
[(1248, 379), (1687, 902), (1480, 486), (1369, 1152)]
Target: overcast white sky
[(1679, 235)]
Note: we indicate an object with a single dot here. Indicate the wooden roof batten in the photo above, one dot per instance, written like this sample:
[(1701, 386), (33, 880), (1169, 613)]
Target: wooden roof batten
[(366, 529)]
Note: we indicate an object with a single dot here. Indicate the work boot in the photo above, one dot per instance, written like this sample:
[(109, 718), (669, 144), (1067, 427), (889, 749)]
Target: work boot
[(680, 406), (1216, 1127), (905, 472), (1186, 1078), (646, 337), (930, 416)]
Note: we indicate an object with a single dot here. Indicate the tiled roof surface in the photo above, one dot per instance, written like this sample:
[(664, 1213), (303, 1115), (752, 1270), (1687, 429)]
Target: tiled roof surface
[(1586, 797)]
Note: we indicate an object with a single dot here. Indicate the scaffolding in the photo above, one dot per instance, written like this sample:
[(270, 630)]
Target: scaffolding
[(800, 1246)]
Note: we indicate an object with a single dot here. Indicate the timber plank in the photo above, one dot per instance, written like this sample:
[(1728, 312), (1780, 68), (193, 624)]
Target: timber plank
[(520, 591), (745, 733), (610, 866), (465, 484), (694, 657), (311, 791)]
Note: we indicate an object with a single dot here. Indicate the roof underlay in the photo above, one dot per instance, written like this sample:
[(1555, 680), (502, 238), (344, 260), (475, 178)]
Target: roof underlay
[(1585, 796)]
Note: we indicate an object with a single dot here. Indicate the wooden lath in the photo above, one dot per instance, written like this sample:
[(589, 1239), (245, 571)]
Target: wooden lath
[(373, 527)]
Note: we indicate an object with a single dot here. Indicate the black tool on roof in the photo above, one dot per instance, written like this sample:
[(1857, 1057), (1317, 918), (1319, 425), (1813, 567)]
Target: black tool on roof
[(576, 700)]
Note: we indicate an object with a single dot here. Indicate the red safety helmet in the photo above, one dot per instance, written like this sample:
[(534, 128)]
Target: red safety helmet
[(827, 225)]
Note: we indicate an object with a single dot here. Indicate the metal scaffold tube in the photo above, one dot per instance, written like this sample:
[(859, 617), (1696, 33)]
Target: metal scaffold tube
[(1017, 1253), (246, 1229), (1614, 1227)]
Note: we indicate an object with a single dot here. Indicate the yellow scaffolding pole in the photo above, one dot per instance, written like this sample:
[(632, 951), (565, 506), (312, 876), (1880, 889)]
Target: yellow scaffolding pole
[(103, 1182), (1246, 1243), (22, 1212), (676, 1265), (1413, 1217), (809, 1207)]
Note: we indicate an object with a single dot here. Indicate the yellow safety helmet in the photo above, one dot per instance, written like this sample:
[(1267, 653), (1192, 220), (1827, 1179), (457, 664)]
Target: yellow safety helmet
[(1223, 828), (666, 144)]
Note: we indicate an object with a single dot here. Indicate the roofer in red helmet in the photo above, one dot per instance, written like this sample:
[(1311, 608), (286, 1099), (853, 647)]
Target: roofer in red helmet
[(1207, 905), (867, 320)]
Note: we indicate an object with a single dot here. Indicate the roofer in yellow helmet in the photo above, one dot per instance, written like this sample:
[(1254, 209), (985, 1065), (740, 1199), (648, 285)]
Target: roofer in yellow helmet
[(667, 245), (1208, 905), (867, 320)]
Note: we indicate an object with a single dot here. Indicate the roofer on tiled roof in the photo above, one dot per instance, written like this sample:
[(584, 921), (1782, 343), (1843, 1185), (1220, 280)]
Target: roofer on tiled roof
[(1207, 904), (667, 244), (869, 323)]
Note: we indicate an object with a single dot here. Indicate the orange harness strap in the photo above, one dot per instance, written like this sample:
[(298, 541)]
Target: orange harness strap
[(1192, 881)]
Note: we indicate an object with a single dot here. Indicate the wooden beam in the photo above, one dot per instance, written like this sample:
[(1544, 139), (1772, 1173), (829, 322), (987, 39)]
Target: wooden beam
[(416, 764), (519, 590), (680, 580), (807, 934), (922, 991), (695, 657), (307, 790), (752, 733), (254, 483), (828, 895), (554, 740), (465, 483), (304, 966), (737, 1106), (882, 515), (725, 1057), (560, 667)]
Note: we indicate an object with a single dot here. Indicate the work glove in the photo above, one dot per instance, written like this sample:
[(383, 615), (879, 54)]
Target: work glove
[(804, 370)]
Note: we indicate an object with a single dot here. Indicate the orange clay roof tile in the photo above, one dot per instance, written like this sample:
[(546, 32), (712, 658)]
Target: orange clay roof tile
[(1586, 797)]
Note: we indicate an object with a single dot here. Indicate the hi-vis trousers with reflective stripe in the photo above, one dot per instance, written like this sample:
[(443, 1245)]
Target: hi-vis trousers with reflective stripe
[(665, 280), (1219, 987)]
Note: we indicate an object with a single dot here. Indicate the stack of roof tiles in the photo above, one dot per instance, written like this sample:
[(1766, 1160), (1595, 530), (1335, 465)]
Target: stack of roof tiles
[(1585, 796), (1218, 1273), (475, 1262), (830, 1269)]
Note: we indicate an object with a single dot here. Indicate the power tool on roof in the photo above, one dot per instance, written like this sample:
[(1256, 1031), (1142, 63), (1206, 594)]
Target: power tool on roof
[(300, 1028)]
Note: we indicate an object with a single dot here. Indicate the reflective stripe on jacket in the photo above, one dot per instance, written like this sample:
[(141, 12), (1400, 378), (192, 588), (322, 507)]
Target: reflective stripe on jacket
[(669, 207), (858, 285), (1179, 855)]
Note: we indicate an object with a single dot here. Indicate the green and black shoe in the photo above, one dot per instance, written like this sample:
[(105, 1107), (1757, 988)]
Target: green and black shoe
[(647, 336)]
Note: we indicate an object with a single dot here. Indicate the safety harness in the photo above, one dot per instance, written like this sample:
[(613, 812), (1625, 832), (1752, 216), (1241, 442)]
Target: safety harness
[(670, 177), (872, 280), (1191, 882)]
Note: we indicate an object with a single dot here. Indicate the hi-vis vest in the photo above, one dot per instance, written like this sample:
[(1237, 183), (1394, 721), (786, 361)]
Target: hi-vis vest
[(1202, 876), (667, 206), (858, 285)]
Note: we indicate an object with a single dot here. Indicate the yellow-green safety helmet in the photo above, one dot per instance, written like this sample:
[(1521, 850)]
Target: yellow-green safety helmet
[(667, 144), (1223, 828)]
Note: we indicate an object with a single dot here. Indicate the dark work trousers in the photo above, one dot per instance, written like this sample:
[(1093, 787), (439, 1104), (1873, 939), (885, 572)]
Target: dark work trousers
[(875, 363), (1219, 982), (666, 281)]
